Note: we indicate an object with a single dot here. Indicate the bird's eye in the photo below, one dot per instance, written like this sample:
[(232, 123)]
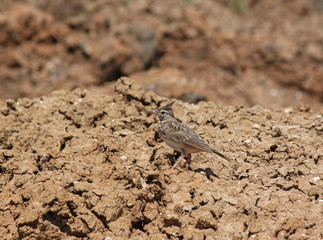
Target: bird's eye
[(163, 112)]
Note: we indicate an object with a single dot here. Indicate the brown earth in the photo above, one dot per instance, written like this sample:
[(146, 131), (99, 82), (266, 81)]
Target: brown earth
[(83, 165), (87, 164), (270, 53)]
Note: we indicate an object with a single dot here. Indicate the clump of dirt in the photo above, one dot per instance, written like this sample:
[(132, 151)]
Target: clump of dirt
[(78, 164)]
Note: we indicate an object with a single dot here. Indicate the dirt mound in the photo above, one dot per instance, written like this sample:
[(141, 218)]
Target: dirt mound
[(83, 165), (270, 54)]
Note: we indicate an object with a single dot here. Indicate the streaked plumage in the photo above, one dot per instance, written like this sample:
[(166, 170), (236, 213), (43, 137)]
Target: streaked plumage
[(179, 136)]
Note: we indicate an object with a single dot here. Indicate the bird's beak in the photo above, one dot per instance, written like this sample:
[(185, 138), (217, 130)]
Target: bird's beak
[(152, 111)]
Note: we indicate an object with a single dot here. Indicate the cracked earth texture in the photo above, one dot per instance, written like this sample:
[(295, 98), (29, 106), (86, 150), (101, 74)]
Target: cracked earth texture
[(82, 165)]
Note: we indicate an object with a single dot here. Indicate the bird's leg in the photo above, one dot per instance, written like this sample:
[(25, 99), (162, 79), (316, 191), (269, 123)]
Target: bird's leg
[(188, 159), (183, 155)]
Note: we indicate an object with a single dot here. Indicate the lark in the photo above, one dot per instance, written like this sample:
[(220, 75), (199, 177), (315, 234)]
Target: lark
[(181, 137)]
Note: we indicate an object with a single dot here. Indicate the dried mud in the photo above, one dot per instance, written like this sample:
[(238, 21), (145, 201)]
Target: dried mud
[(270, 55), (82, 165)]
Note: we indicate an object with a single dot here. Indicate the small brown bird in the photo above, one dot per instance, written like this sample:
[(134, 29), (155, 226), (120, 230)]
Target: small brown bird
[(181, 137)]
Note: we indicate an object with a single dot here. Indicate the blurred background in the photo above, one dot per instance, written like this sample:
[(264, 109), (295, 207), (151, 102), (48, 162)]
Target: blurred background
[(234, 52)]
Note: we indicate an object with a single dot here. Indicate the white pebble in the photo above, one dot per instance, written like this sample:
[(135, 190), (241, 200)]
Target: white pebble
[(288, 110), (315, 179)]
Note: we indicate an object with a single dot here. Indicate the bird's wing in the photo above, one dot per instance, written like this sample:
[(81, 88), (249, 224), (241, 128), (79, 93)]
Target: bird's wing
[(186, 137)]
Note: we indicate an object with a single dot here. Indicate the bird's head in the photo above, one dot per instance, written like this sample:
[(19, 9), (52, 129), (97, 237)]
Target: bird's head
[(164, 112)]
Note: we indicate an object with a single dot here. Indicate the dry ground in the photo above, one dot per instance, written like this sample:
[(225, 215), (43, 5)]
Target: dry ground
[(83, 165)]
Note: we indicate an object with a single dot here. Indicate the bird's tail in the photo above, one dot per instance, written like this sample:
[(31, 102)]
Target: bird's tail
[(221, 155)]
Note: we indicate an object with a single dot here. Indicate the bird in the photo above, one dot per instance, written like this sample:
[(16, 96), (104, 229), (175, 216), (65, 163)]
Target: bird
[(181, 137)]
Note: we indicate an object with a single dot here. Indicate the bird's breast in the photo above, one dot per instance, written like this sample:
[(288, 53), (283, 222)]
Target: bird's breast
[(172, 144)]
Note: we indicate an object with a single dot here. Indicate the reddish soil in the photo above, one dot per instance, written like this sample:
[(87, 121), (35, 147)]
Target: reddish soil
[(88, 164), (271, 54)]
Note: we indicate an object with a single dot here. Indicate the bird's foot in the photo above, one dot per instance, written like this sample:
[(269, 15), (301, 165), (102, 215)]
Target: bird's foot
[(188, 160), (178, 161)]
